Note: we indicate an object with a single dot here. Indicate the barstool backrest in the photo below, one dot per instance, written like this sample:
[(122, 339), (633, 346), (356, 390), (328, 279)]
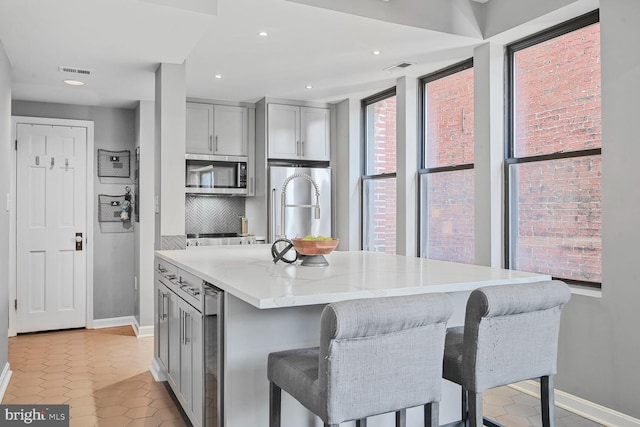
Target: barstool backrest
[(511, 333), (382, 354)]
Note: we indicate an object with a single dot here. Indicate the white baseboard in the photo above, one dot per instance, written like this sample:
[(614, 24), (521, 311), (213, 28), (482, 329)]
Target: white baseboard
[(582, 407), (156, 371), (142, 331), (113, 322), (4, 380)]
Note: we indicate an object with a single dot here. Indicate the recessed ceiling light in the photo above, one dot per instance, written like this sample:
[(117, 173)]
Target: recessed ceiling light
[(308, 87), (263, 34), (218, 76), (73, 82), (376, 52)]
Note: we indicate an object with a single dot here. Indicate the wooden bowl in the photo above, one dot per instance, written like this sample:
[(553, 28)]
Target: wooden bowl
[(314, 247)]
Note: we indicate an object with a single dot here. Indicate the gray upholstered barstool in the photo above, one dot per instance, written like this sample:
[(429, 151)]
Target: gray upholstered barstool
[(510, 334), (376, 356)]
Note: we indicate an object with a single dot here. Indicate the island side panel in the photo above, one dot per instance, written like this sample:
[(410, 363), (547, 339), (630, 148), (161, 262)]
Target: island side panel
[(251, 334)]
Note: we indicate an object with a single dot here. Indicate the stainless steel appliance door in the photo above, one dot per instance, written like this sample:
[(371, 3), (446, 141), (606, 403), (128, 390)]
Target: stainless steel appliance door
[(213, 356), (299, 221)]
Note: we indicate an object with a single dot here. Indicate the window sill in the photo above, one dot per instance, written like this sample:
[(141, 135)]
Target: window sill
[(586, 291)]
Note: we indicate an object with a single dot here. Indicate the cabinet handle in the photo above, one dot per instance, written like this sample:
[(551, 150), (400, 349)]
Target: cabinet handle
[(181, 326), (216, 150), (251, 185), (165, 297), (187, 318), (297, 148), (302, 149), (210, 142)]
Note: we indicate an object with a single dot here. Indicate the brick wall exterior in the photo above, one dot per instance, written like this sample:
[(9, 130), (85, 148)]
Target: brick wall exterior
[(382, 235), (559, 202), (450, 203)]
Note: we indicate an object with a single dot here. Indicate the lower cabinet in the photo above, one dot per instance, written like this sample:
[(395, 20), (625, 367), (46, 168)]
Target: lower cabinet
[(179, 349), (162, 322), (191, 359), (175, 334)]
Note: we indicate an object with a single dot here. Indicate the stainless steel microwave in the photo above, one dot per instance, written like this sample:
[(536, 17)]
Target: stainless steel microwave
[(216, 174)]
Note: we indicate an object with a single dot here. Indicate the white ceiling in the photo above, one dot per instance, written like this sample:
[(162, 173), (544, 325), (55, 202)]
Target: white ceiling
[(328, 47)]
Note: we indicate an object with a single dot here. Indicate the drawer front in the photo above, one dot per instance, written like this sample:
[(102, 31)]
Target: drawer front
[(166, 273), (190, 289)]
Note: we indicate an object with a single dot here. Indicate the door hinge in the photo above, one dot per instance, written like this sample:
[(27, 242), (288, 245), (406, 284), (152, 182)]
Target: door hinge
[(15, 304)]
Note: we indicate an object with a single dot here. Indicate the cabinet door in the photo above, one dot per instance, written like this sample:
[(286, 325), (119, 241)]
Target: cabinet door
[(175, 335), (315, 133), (231, 130), (186, 367), (283, 131), (162, 337), (199, 139), (197, 362)]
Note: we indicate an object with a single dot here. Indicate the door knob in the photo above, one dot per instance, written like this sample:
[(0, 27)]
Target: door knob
[(78, 241)]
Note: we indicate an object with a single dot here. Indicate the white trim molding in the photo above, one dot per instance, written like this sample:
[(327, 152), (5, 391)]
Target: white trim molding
[(113, 322), (579, 406), (142, 331), (156, 371), (5, 376)]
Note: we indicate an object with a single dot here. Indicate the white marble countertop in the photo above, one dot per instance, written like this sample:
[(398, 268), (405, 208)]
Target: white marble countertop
[(248, 273)]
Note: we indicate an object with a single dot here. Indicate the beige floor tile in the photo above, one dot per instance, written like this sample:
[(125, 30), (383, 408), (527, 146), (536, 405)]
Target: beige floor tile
[(111, 411), (101, 374), (84, 421), (141, 412)]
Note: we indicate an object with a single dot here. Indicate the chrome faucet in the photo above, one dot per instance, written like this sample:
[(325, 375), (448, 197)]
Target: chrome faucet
[(284, 205)]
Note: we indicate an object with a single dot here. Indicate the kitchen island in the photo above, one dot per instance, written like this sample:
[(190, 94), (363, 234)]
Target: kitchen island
[(270, 307)]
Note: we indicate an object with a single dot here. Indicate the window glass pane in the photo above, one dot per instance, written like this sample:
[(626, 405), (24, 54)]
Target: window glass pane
[(557, 94), (448, 224), (449, 120), (379, 215), (558, 218), (381, 137)]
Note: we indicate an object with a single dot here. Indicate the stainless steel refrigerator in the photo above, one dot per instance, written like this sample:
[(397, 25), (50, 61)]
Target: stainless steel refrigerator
[(300, 220)]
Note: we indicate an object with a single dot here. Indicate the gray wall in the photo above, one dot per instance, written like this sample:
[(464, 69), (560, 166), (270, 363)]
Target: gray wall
[(600, 347), (5, 166), (113, 271)]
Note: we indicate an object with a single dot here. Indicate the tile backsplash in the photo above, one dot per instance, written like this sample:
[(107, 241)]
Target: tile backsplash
[(213, 214), (173, 242)]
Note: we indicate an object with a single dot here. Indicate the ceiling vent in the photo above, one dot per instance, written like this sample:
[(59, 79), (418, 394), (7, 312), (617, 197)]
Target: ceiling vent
[(74, 70), (399, 66)]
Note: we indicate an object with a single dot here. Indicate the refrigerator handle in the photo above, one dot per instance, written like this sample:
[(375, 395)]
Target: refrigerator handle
[(273, 214)]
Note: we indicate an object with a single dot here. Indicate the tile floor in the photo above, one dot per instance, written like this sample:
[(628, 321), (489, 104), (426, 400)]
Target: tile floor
[(103, 375), (511, 408)]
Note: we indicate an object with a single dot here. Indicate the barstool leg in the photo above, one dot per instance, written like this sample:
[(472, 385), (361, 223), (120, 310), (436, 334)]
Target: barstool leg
[(465, 408), (431, 415), (401, 418), (547, 400), (275, 396), (475, 409)]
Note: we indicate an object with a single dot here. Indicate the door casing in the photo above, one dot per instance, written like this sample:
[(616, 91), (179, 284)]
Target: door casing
[(90, 209)]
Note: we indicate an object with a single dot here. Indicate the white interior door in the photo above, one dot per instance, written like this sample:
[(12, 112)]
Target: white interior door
[(51, 210)]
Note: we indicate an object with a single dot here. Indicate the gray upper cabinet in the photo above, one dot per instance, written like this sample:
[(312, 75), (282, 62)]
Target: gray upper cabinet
[(199, 129), (298, 133), (217, 129)]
